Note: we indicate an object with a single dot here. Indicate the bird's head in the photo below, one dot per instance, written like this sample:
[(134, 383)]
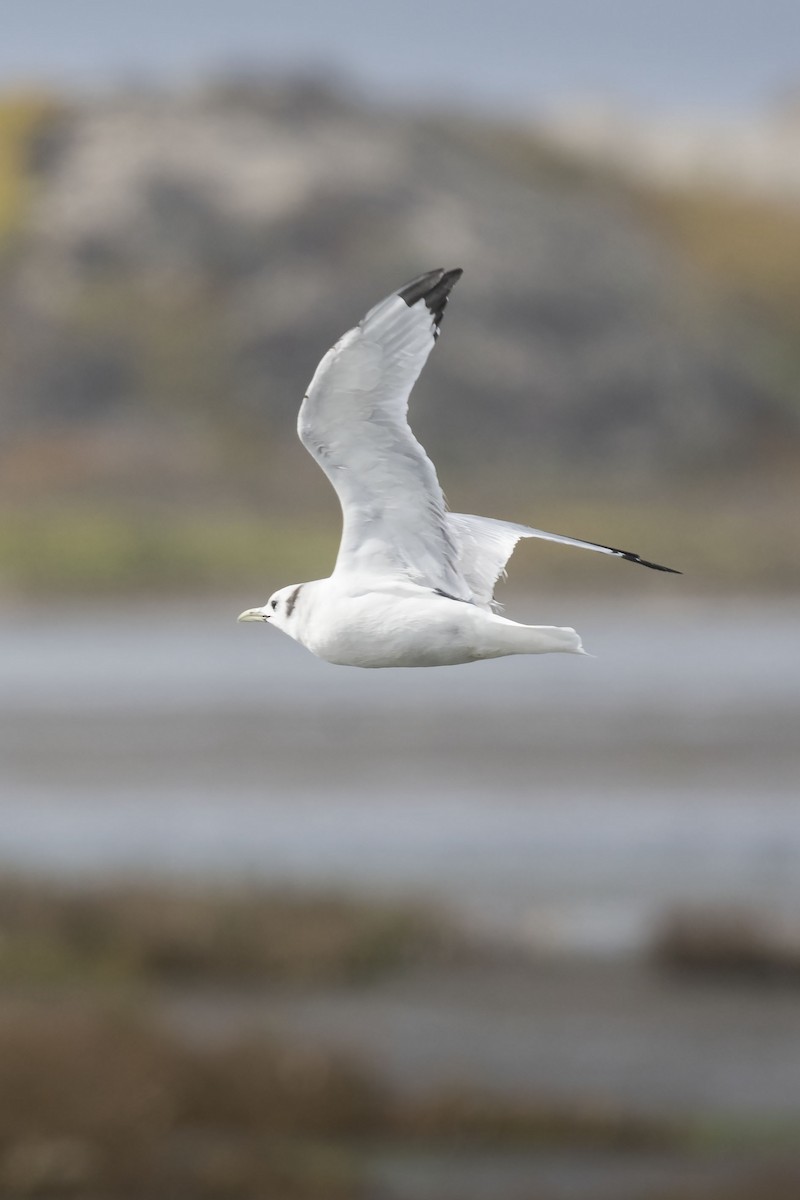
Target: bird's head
[(280, 609)]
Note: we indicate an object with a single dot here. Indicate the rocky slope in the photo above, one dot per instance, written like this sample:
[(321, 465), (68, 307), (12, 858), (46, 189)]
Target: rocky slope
[(185, 259)]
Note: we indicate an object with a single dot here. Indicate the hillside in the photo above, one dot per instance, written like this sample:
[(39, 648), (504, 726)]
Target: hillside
[(175, 263)]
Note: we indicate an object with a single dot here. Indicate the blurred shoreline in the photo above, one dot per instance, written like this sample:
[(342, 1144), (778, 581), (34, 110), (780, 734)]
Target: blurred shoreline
[(373, 1043)]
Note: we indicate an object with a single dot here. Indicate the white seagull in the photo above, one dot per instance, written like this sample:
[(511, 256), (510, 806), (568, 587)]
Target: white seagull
[(413, 583)]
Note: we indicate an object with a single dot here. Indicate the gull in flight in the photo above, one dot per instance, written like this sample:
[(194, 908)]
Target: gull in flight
[(413, 583)]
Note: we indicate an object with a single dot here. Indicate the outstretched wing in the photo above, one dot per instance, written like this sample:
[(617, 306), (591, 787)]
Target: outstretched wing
[(353, 422), (484, 547)]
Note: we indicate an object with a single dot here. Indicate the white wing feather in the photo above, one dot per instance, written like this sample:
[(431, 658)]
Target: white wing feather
[(485, 545), (353, 422)]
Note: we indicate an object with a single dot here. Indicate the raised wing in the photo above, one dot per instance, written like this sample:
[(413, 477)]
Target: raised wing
[(353, 422), (484, 546)]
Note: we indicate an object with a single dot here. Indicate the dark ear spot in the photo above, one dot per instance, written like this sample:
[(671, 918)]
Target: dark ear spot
[(290, 603)]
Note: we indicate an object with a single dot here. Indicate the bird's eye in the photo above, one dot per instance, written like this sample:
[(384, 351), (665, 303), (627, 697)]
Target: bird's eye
[(273, 604)]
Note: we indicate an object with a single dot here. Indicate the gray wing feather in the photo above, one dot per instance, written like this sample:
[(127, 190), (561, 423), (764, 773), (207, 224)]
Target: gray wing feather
[(485, 545), (353, 421)]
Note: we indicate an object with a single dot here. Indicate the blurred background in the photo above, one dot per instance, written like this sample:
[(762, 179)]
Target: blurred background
[(273, 928)]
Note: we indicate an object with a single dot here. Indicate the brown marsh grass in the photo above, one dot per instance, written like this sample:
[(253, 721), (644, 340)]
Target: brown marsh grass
[(154, 933), (96, 1102)]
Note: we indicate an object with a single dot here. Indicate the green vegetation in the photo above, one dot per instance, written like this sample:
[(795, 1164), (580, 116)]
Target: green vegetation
[(23, 117), (94, 550), (740, 542)]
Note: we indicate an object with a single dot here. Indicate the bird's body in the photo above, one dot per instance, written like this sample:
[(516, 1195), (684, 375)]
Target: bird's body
[(391, 623), (413, 583)]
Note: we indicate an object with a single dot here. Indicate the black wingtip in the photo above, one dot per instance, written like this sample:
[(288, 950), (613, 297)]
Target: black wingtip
[(634, 558), (433, 287), (417, 288)]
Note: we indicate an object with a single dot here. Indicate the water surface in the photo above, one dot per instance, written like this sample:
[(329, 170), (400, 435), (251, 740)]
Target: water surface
[(566, 798)]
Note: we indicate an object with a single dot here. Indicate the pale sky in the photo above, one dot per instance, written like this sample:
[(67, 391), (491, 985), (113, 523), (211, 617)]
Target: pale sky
[(513, 55)]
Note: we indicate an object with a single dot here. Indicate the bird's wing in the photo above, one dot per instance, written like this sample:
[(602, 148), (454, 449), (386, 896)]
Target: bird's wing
[(353, 422), (484, 547)]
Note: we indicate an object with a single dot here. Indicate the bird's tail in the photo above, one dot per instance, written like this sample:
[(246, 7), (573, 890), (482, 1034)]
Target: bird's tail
[(511, 638)]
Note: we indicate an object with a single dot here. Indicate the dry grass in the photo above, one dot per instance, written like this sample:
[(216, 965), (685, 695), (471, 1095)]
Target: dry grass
[(167, 935), (750, 247), (102, 1101), (748, 252), (95, 1103)]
